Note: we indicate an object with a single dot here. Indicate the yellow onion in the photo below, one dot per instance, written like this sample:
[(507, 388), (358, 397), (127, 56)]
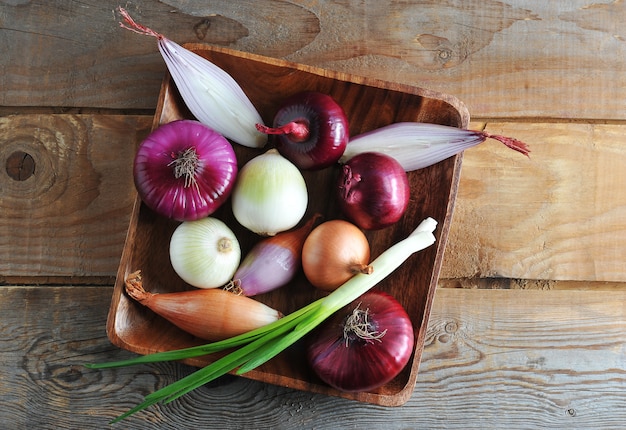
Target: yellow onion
[(335, 251), (210, 314)]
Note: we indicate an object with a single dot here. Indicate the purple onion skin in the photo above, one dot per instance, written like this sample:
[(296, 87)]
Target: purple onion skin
[(363, 365), (214, 175), (373, 190), (274, 261), (265, 268), (328, 130)]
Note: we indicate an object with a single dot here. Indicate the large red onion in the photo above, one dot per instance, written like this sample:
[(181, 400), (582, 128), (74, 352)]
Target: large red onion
[(185, 170), (363, 346), (373, 190)]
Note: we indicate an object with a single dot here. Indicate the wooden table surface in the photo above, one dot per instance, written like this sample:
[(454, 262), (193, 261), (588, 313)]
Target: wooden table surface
[(528, 326)]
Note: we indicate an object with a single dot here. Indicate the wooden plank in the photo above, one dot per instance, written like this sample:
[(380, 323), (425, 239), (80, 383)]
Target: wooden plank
[(66, 192), (525, 359), (493, 359), (513, 58), (560, 215)]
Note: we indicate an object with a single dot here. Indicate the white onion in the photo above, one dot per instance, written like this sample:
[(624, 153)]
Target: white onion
[(204, 253), (270, 194)]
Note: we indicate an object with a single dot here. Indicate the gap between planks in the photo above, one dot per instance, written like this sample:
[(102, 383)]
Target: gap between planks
[(527, 284)]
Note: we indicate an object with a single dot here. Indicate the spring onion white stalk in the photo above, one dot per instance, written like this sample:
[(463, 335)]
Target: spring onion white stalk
[(210, 93), (260, 345), (416, 145)]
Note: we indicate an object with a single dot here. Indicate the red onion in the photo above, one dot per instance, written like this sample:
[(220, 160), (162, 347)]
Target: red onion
[(373, 190), (363, 346), (312, 130), (185, 170)]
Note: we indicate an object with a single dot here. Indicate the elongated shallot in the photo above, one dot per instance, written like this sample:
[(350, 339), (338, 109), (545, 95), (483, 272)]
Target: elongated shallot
[(416, 145), (210, 93), (210, 314), (272, 262)]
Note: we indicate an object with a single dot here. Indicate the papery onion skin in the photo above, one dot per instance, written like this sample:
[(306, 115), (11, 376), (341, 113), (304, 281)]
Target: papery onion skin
[(355, 364), (334, 252), (273, 262), (270, 194), (210, 314), (312, 130), (373, 190), (205, 253), (184, 198)]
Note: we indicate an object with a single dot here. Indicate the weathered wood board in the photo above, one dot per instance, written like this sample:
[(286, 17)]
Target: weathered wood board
[(67, 211), (559, 215), (493, 359), (513, 58)]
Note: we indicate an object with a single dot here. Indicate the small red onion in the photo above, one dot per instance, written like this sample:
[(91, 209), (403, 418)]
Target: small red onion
[(373, 190), (312, 130), (363, 346), (185, 170)]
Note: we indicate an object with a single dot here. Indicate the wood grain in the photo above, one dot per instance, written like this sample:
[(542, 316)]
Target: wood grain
[(69, 215), (556, 216), (559, 215), (557, 355), (493, 359), (530, 284), (568, 55)]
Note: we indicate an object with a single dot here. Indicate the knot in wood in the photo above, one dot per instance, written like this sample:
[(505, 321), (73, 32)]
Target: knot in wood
[(20, 166), (451, 327)]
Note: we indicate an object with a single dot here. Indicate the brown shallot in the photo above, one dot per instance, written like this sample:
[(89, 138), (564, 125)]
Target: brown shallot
[(210, 314)]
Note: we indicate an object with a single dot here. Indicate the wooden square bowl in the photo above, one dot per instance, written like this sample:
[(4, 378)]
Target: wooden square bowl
[(368, 104)]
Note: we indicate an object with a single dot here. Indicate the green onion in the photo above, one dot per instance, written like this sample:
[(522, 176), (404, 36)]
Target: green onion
[(260, 345)]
